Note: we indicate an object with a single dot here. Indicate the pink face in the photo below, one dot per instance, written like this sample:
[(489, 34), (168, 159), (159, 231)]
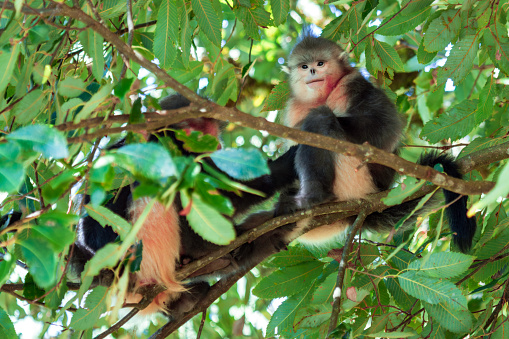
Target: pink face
[(315, 80)]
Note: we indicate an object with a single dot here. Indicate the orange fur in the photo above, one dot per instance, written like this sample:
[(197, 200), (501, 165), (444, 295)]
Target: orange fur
[(160, 235)]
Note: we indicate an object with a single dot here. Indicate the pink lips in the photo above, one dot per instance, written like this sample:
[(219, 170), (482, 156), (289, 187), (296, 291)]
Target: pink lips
[(315, 83)]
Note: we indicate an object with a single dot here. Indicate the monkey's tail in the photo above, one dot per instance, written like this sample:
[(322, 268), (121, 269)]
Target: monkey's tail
[(463, 227)]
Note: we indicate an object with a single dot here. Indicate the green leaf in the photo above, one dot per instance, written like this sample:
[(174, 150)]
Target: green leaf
[(106, 217), (486, 100), (243, 164), (29, 107), (56, 236), (290, 281), (166, 33), (253, 17), (41, 261), (442, 30), (408, 333), (7, 330), (478, 144), (423, 56), (122, 87), (454, 320), (293, 256), (208, 222), (497, 42), (94, 102), (148, 160), (388, 56), (408, 187), (278, 97), (403, 299), (71, 87), (184, 75), (41, 138), (187, 28), (85, 318), (208, 20), (443, 264), (93, 45), (432, 290), (197, 142), (414, 13), (224, 83), (453, 124), (11, 176), (8, 59), (336, 28), (54, 299), (209, 194), (284, 316), (280, 10), (7, 265), (461, 60)]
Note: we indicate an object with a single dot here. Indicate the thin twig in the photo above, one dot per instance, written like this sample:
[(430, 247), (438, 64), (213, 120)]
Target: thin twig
[(336, 306)]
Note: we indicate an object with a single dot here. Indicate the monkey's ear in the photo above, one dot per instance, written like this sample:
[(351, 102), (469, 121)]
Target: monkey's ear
[(285, 69), (343, 57)]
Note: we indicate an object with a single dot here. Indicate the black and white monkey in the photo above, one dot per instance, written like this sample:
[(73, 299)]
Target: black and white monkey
[(166, 236), (332, 98)]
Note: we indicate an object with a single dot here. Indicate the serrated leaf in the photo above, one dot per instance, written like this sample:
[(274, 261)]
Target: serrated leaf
[(293, 256), (454, 320), (443, 264), (8, 59), (325, 291), (208, 20), (106, 217), (278, 97), (432, 290), (500, 190), (497, 42), (453, 124), (208, 222), (184, 75), (41, 138), (187, 28), (405, 189), (423, 56), (336, 28), (243, 164), (110, 9), (41, 261), (442, 30), (403, 299), (166, 33), (288, 282), (57, 236), (93, 45), (414, 12), (253, 17), (7, 330), (284, 316), (280, 9), (486, 100), (388, 55), (122, 87), (85, 318), (210, 195), (29, 107), (71, 87), (479, 144), (461, 60), (54, 299), (94, 102), (396, 334), (148, 160)]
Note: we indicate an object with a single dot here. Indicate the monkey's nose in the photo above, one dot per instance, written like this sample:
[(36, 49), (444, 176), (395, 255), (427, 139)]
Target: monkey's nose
[(313, 71)]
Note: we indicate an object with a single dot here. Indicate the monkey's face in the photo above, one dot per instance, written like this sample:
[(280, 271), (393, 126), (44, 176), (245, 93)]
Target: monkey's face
[(314, 80)]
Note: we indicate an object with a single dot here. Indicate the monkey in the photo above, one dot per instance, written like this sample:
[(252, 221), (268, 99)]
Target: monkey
[(166, 236), (332, 98)]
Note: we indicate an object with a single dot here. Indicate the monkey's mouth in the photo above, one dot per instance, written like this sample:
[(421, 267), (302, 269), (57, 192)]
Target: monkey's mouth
[(315, 83)]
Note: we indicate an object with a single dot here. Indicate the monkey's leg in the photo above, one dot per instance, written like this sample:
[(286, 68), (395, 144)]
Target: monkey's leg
[(315, 166)]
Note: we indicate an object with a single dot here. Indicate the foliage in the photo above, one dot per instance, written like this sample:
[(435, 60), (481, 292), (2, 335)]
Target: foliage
[(77, 75)]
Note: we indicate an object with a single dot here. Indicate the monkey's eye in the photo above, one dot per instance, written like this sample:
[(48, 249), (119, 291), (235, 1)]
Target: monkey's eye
[(304, 66), (320, 63)]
